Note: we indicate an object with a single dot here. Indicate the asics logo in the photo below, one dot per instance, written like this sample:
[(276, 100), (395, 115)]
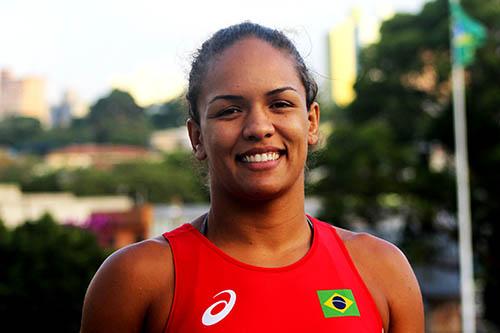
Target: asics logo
[(209, 318)]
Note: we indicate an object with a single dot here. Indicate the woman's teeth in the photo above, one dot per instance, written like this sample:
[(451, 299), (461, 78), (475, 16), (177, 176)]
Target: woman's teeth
[(261, 157)]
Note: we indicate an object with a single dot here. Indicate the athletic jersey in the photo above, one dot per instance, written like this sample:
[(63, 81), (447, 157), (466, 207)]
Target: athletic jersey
[(321, 292)]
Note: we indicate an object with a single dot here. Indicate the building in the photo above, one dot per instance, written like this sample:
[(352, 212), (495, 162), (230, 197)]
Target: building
[(345, 41), (171, 139), (343, 61), (23, 97), (61, 114), (17, 207), (116, 229), (102, 157), (70, 107)]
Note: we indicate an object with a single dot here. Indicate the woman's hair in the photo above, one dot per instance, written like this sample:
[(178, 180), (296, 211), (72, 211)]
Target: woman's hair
[(226, 37)]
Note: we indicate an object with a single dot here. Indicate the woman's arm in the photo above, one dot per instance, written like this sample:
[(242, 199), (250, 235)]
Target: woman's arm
[(390, 279), (125, 289), (403, 295)]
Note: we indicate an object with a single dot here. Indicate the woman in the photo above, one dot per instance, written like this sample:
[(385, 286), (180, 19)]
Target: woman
[(255, 262)]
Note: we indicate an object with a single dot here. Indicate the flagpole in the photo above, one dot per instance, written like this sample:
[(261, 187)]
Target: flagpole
[(463, 198)]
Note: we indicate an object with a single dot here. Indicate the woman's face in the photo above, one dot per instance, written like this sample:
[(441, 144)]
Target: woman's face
[(254, 124)]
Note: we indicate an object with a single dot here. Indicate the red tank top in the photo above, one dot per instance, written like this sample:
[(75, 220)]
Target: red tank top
[(322, 292)]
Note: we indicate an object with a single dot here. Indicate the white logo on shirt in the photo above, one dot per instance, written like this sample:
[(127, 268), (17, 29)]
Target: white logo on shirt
[(209, 318)]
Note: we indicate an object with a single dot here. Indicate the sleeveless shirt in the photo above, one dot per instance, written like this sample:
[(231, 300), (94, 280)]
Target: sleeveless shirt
[(321, 292)]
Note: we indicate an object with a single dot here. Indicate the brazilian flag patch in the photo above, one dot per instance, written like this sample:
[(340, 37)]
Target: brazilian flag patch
[(338, 303)]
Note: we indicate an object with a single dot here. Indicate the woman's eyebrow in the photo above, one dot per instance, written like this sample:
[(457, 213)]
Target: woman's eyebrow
[(238, 97), (280, 90), (228, 97)]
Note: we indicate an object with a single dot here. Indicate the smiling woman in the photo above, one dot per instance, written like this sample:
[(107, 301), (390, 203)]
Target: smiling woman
[(255, 262), (244, 115)]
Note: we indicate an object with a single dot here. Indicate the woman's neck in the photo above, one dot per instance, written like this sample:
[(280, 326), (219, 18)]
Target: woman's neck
[(274, 225)]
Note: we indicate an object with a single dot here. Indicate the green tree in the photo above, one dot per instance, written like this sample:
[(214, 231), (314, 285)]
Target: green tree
[(171, 180), (116, 118), (59, 137), (170, 114), (16, 131), (378, 159), (379, 148), (90, 181), (46, 182), (44, 274), (174, 177)]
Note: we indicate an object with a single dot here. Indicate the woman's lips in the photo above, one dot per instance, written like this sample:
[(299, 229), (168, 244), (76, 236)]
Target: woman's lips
[(260, 158), (261, 155)]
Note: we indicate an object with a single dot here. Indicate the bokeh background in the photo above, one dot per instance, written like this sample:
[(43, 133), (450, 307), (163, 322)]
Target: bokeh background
[(94, 154)]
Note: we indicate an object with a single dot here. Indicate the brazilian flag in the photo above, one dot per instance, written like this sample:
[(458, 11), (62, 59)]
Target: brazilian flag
[(468, 35), (338, 303)]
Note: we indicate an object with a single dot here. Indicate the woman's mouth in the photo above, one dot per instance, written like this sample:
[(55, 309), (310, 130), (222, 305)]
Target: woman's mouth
[(260, 157)]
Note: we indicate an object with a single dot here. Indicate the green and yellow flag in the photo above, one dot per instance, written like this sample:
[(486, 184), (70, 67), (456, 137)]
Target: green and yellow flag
[(468, 35), (338, 303)]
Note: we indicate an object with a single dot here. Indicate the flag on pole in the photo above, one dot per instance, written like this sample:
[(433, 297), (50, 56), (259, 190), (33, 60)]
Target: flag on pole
[(468, 35)]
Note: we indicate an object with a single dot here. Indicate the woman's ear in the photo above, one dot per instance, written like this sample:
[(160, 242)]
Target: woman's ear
[(196, 138), (313, 117)]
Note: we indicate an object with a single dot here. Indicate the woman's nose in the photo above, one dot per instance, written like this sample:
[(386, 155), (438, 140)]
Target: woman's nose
[(258, 125)]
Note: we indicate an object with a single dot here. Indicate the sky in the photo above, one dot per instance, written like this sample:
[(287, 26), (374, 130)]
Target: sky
[(145, 46)]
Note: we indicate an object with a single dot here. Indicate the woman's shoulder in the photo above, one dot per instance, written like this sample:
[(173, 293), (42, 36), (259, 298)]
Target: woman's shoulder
[(388, 275), (363, 247), (128, 286), (139, 260), (367, 246)]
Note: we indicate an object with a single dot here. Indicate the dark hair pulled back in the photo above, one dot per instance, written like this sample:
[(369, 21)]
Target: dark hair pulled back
[(226, 37)]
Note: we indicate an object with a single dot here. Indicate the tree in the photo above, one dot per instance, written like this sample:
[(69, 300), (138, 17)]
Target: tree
[(380, 159), (116, 118), (170, 114), (171, 180), (379, 148), (15, 131), (59, 137), (44, 274)]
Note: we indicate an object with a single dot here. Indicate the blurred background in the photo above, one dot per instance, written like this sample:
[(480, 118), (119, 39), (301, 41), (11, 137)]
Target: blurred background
[(94, 154)]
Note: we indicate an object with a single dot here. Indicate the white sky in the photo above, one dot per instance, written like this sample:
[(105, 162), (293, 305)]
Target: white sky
[(145, 45)]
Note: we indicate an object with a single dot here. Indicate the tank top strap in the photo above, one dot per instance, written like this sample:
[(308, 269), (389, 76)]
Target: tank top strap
[(332, 240)]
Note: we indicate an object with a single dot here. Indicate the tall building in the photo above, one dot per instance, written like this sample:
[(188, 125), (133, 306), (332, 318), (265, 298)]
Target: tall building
[(61, 115), (23, 97), (343, 47), (345, 41), (71, 106)]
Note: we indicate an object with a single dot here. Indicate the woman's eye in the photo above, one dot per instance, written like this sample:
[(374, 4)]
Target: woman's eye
[(280, 104), (228, 112)]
